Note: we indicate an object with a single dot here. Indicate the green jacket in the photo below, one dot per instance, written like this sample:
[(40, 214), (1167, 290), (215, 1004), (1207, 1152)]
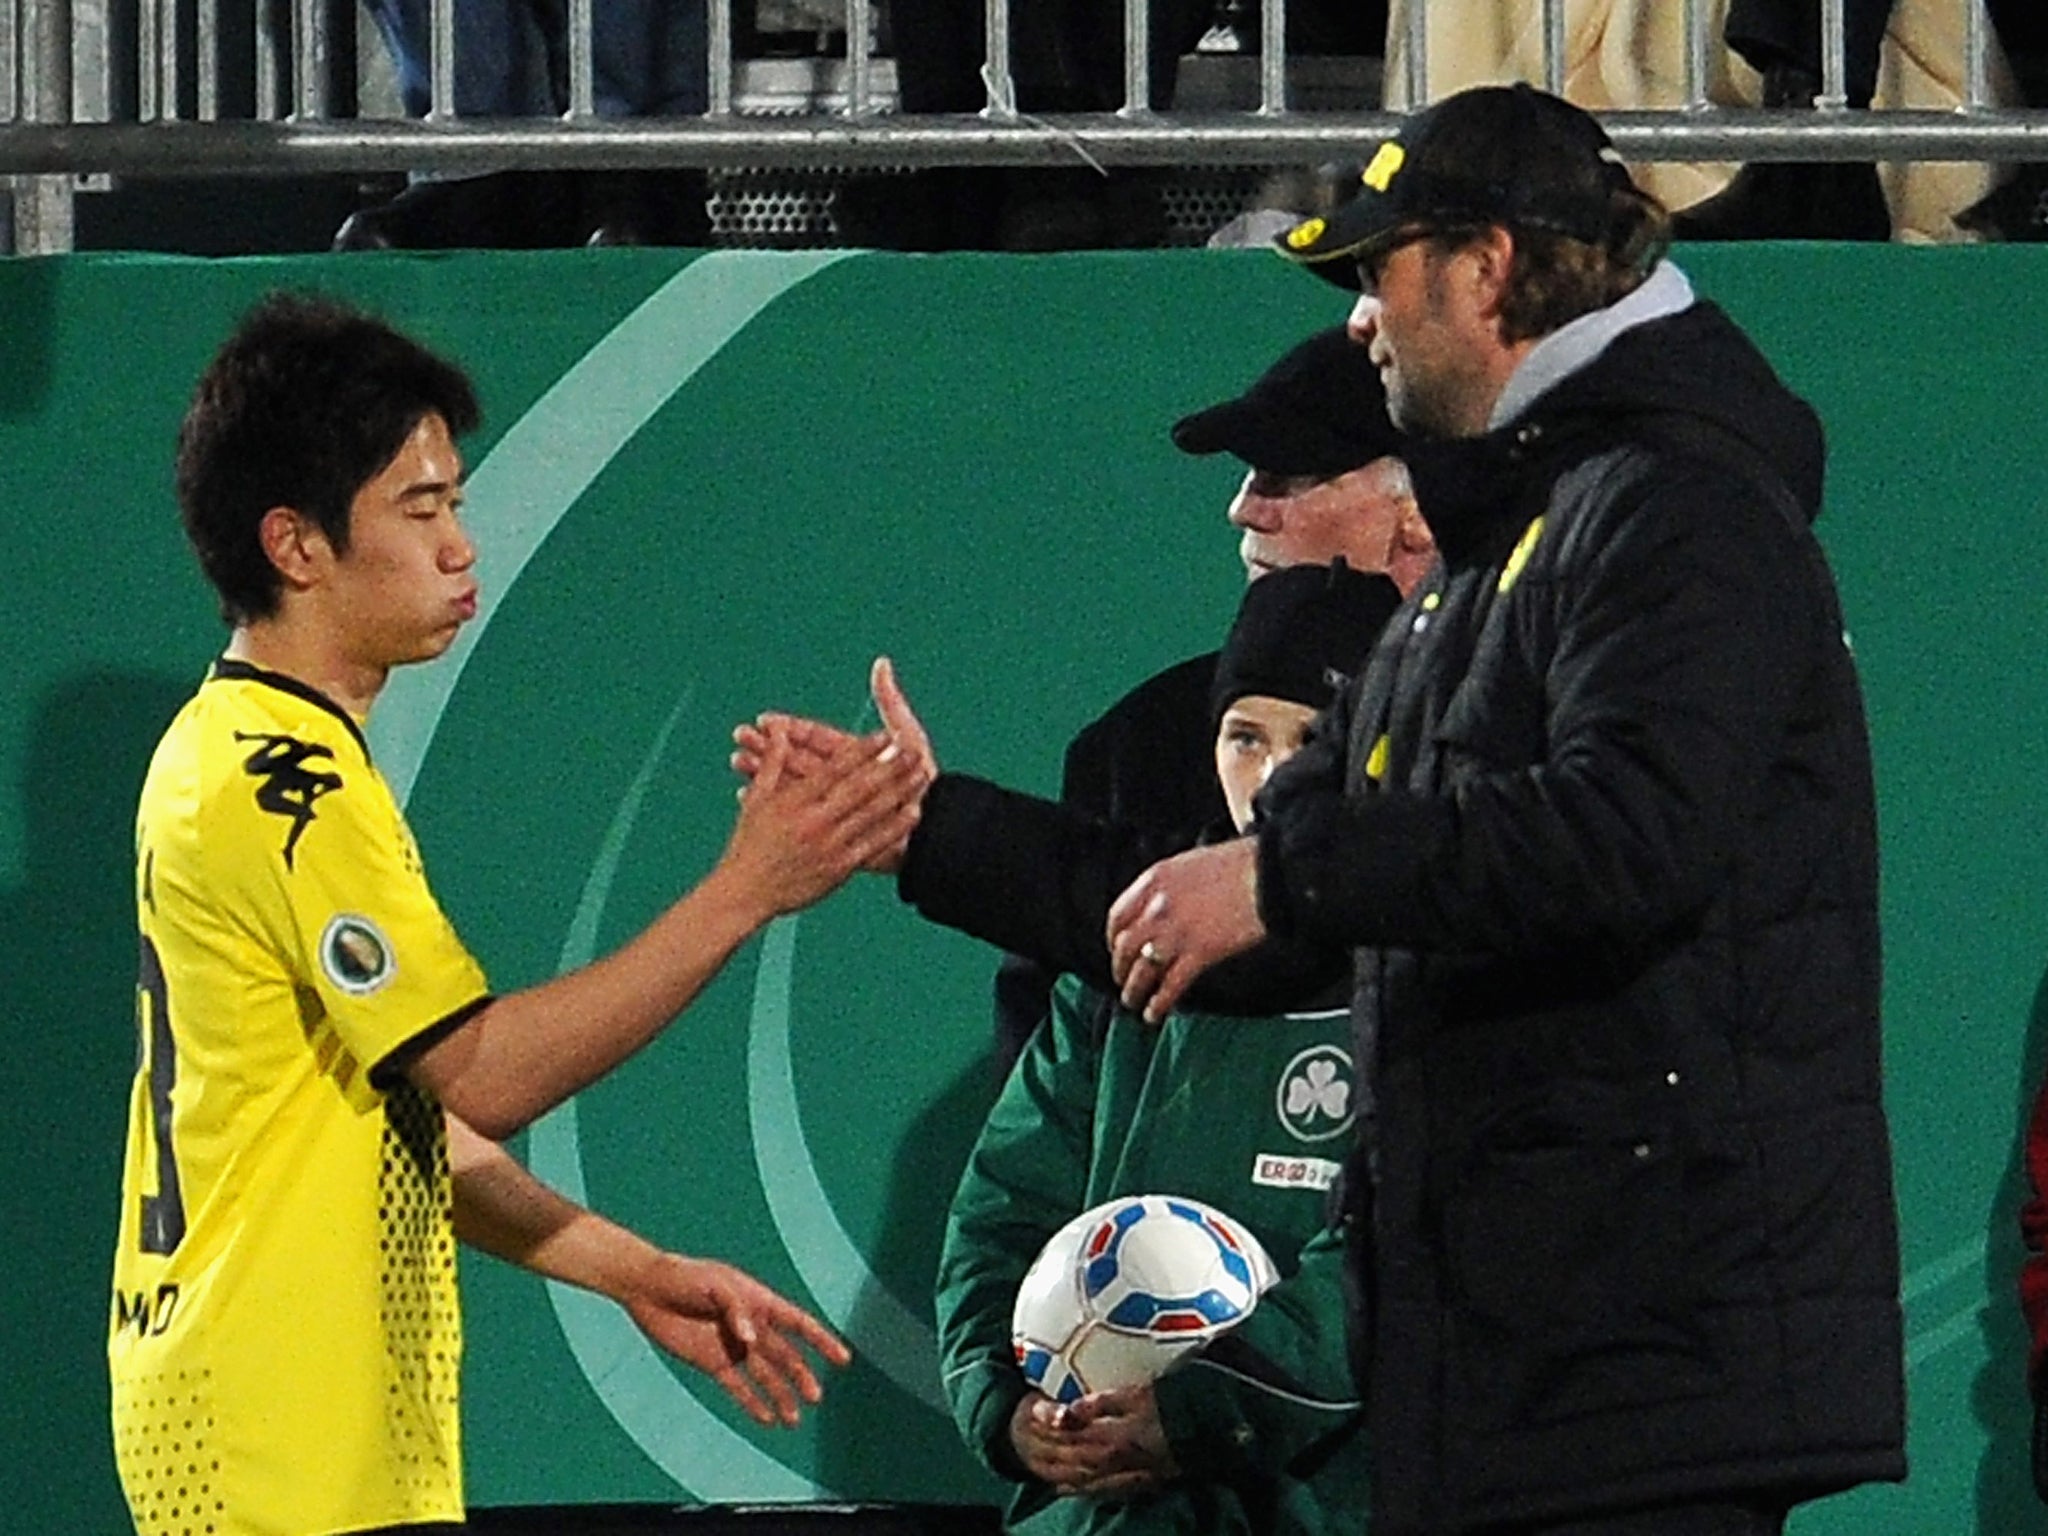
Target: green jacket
[(1252, 1116)]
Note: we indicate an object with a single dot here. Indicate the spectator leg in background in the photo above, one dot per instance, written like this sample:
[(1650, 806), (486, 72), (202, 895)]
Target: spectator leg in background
[(1065, 56), (939, 51), (2017, 209), (1835, 200), (648, 60), (504, 67), (1078, 66)]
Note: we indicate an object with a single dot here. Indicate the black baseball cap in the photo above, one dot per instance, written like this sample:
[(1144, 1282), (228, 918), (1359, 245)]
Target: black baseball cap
[(1321, 410), (1497, 154)]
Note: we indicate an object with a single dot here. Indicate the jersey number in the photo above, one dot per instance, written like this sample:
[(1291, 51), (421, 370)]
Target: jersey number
[(163, 1213)]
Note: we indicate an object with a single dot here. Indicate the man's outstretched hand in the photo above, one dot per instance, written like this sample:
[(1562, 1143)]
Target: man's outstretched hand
[(815, 749)]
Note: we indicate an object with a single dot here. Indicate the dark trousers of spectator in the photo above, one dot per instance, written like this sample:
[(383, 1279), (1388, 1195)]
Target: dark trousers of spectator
[(1708, 1519), (512, 57), (512, 60), (1065, 56), (1787, 32)]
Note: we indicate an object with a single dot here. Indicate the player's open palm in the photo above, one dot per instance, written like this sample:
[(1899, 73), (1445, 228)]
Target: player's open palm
[(798, 838), (749, 1339)]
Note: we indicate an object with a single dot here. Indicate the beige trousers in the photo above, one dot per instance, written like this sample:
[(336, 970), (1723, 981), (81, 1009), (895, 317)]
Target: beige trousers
[(1631, 53)]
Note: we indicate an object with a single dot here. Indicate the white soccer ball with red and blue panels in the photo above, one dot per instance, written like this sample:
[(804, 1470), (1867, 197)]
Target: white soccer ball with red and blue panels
[(1124, 1292)]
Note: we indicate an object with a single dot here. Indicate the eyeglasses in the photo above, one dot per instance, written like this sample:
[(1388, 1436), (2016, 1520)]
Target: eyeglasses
[(1373, 260)]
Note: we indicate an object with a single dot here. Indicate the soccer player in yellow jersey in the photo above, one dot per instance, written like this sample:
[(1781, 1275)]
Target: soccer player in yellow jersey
[(325, 1075)]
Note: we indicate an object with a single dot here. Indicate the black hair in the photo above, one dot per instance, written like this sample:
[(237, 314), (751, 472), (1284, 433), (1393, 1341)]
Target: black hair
[(302, 407)]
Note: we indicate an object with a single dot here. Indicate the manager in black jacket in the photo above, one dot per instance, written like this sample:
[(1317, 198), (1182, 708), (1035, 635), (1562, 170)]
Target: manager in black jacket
[(1597, 825)]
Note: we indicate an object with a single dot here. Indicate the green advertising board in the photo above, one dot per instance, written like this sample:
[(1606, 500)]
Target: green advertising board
[(713, 485)]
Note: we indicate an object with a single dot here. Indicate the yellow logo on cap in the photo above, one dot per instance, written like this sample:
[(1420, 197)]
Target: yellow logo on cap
[(1384, 165), (1305, 234)]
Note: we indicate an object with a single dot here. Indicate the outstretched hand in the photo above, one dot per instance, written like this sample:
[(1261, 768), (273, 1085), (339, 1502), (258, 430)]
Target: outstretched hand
[(747, 1338), (898, 718), (813, 747), (797, 838), (1179, 918)]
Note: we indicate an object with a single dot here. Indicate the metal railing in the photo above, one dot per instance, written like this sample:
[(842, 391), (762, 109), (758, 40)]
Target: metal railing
[(61, 120)]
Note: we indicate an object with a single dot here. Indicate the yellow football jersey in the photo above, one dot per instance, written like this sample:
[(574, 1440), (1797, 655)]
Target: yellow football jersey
[(285, 1337)]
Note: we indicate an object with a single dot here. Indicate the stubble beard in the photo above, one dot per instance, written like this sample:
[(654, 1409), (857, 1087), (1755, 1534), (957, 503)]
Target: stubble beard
[(1430, 394), (1421, 408)]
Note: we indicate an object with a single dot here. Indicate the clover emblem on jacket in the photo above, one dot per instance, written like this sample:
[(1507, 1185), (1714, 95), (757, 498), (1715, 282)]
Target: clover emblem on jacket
[(1315, 1094)]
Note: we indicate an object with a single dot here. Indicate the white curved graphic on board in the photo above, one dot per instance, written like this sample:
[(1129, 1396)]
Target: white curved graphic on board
[(665, 1419), (892, 1338), (534, 474)]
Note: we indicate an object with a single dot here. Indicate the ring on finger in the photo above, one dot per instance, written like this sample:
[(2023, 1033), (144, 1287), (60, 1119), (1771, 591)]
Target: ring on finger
[(1152, 953)]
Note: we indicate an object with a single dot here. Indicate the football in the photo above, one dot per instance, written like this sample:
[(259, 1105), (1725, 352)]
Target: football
[(1125, 1291)]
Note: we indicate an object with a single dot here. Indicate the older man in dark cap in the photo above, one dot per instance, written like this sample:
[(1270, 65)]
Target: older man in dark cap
[(1596, 825), (1323, 481)]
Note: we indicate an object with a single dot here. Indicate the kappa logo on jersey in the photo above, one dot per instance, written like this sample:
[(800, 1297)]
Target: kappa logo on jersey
[(355, 954), (289, 787), (1315, 1096)]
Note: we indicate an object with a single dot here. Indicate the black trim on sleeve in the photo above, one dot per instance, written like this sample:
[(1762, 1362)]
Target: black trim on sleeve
[(229, 669), (388, 1071)]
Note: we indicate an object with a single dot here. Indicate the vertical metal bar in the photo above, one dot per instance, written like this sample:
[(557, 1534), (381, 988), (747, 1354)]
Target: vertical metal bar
[(995, 69), (1137, 58), (170, 78), (46, 61), (860, 42), (93, 92), (309, 60), (269, 50), (1553, 46), (43, 204), (1272, 57), (43, 208), (441, 60), (1976, 57), (1418, 54), (1834, 57), (10, 50), (149, 73), (582, 63), (206, 34), (1695, 55), (719, 86)]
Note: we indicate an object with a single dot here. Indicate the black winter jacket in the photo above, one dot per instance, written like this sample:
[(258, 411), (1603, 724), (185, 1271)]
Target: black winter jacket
[(1148, 761), (1598, 823), (1037, 877)]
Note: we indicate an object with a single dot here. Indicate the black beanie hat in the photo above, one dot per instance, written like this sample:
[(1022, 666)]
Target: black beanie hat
[(1298, 631)]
